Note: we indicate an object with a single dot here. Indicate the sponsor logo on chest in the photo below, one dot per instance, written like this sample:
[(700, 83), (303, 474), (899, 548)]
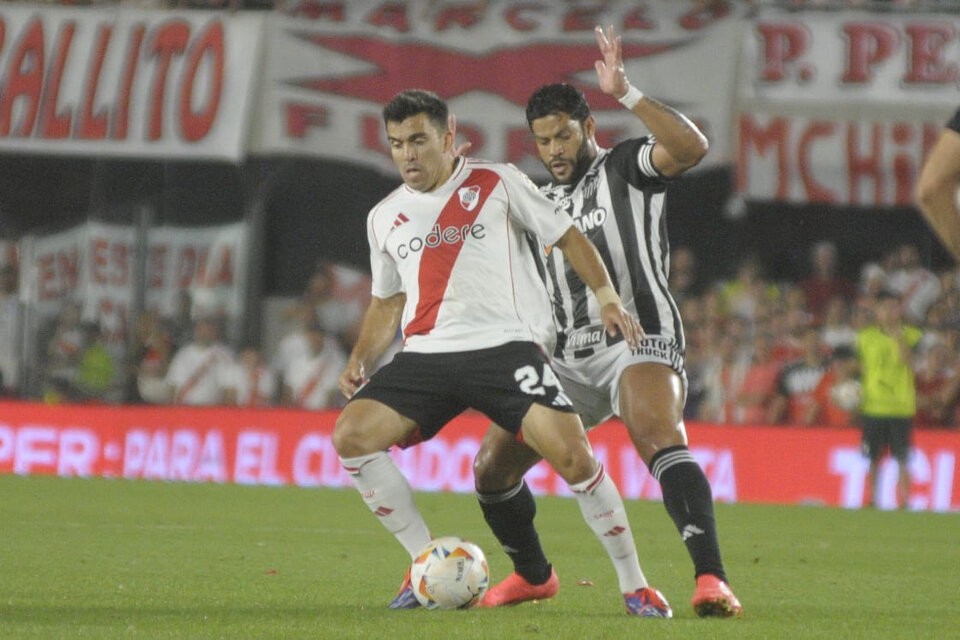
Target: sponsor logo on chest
[(438, 236), (590, 220)]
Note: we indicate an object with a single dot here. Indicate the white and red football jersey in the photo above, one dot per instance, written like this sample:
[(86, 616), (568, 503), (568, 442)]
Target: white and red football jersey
[(196, 374), (462, 255)]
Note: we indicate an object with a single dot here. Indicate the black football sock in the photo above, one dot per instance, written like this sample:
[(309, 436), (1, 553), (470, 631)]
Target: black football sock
[(510, 516), (689, 501)]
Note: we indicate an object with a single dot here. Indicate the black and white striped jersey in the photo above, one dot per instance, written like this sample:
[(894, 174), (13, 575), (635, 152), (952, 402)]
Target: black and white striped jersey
[(619, 205)]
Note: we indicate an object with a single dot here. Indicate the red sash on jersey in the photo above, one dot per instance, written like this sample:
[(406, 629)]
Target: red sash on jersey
[(195, 378), (436, 263), (312, 383)]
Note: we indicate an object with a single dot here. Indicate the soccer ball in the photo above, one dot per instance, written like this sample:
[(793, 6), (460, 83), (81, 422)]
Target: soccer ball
[(449, 573)]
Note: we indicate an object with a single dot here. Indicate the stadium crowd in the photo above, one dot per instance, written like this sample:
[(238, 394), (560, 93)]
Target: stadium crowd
[(759, 351), (764, 352)]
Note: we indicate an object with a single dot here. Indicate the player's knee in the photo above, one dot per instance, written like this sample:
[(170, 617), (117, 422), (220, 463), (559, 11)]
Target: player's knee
[(491, 473), (484, 475), (577, 466), (347, 438), (659, 426)]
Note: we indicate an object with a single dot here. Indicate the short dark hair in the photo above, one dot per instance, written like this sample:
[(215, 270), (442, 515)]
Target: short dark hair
[(552, 99), (407, 104)]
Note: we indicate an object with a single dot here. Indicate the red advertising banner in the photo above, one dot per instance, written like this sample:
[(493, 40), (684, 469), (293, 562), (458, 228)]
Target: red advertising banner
[(287, 447)]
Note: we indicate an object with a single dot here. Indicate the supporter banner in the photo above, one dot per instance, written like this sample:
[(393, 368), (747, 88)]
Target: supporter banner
[(331, 66), (94, 265), (842, 107), (838, 162), (209, 262), (285, 447), (873, 61), (116, 82)]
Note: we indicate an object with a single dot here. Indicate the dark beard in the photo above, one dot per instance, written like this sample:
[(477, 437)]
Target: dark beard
[(584, 160)]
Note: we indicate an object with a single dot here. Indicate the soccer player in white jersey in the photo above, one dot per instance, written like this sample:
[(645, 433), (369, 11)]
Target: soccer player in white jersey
[(616, 197), (453, 267)]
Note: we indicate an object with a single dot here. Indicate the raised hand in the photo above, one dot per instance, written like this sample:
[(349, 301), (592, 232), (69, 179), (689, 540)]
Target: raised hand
[(610, 73)]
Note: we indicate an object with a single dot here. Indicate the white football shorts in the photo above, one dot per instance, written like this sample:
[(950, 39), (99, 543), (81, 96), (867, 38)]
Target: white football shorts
[(593, 382)]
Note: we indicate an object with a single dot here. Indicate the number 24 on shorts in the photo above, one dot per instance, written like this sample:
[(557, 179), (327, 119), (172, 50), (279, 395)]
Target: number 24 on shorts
[(534, 384)]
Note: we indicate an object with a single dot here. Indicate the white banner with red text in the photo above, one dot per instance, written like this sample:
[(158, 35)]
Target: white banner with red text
[(331, 66), (127, 82), (288, 447), (838, 107), (842, 107), (94, 265)]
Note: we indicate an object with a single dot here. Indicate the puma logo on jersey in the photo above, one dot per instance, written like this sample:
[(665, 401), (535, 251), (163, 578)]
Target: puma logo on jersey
[(469, 197)]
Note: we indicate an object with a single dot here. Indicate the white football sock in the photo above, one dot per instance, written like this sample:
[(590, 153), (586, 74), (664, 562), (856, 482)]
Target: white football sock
[(602, 508), (388, 494)]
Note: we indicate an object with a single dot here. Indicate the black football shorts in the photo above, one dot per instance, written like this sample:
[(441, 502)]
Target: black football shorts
[(433, 388), (880, 434)]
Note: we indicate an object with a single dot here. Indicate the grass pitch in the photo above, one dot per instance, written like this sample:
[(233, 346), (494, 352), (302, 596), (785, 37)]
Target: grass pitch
[(121, 559)]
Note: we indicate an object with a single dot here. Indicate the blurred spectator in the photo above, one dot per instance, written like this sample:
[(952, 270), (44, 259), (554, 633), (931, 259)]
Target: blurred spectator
[(824, 281), (249, 382), (752, 399), (747, 290), (916, 285), (63, 351), (10, 339), (96, 373), (789, 344), (296, 342), (836, 330), (794, 400), (85, 369), (873, 278), (719, 377), (152, 351), (312, 381), (336, 304), (683, 279), (837, 395), (196, 372)]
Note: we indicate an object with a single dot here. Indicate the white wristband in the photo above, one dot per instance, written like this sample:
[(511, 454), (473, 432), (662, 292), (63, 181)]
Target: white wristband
[(631, 97), (606, 295)]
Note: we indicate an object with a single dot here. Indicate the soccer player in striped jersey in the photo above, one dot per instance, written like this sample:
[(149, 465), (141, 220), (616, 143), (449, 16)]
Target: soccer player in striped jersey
[(452, 266), (616, 197)]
